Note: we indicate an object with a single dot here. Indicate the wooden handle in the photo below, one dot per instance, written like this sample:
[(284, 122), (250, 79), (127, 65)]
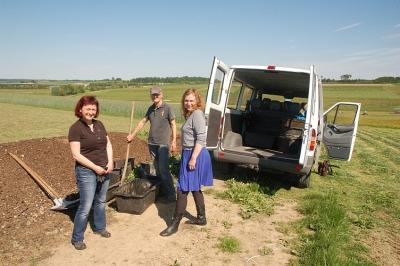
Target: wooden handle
[(127, 148), (39, 180)]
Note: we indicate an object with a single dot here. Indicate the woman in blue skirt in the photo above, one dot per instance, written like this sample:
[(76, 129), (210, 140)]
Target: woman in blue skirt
[(195, 168)]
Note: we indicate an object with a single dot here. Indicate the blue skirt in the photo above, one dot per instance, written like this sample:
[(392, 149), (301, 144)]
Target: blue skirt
[(202, 175)]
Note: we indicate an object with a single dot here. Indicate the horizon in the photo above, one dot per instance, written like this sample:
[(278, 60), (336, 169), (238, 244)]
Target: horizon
[(95, 40)]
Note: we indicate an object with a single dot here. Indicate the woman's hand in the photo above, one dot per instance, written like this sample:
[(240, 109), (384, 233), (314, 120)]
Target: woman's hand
[(192, 164), (100, 170), (110, 167)]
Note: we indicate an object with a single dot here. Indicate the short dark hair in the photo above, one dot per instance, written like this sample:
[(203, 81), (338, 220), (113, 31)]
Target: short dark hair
[(86, 100)]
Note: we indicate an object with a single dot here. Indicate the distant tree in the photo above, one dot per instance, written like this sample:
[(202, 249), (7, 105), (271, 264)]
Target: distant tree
[(345, 77), (387, 80)]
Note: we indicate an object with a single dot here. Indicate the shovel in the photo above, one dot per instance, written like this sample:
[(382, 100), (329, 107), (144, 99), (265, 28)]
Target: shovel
[(127, 148), (59, 203)]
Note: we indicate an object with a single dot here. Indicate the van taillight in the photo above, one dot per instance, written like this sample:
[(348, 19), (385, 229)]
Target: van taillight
[(270, 67), (313, 140)]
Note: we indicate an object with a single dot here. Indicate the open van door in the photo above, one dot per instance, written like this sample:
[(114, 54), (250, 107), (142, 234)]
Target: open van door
[(215, 103), (310, 115), (340, 129)]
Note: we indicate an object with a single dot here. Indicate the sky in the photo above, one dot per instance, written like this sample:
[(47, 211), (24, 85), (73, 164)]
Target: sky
[(84, 39)]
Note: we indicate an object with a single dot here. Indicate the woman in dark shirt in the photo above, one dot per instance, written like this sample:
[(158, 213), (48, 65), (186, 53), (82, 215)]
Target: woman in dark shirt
[(92, 151), (195, 168)]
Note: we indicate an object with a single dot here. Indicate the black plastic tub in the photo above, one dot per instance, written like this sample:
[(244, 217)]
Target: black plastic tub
[(136, 196)]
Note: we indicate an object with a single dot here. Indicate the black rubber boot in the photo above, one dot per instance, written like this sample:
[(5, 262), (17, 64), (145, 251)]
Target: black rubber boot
[(173, 227), (200, 208), (201, 216)]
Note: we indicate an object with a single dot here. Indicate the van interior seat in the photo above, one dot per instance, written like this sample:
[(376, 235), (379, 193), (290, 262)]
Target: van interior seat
[(292, 107), (255, 104), (275, 105), (274, 127), (265, 103), (264, 125)]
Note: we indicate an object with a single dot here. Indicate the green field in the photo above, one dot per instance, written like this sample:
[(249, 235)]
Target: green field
[(379, 101), (349, 218)]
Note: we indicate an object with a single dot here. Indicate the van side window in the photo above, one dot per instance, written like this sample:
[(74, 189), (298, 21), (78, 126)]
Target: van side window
[(342, 115), (246, 95), (217, 90), (234, 94)]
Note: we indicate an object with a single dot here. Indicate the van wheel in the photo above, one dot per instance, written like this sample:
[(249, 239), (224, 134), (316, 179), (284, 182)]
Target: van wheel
[(304, 180)]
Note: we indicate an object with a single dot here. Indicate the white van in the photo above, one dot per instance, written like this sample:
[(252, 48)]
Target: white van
[(271, 118)]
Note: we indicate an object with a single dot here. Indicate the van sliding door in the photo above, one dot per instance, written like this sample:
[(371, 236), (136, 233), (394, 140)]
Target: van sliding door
[(215, 102)]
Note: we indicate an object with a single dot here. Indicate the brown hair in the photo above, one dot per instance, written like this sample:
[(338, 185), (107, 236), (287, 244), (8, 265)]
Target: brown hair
[(86, 100), (199, 101)]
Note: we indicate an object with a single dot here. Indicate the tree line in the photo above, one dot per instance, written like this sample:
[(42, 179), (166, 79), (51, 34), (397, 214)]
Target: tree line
[(346, 78)]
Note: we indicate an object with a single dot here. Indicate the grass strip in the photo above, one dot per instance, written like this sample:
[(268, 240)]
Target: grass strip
[(328, 238), (249, 196)]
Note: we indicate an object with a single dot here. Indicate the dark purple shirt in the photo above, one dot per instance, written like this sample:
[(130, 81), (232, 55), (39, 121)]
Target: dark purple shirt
[(93, 144)]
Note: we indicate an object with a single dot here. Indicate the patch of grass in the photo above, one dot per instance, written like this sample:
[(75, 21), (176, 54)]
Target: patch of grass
[(26, 122), (228, 244), (265, 251), (227, 225), (249, 196), (33, 261), (176, 263), (328, 241), (107, 106), (174, 164)]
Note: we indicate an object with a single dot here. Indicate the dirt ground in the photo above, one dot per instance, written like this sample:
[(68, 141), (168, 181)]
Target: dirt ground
[(33, 234)]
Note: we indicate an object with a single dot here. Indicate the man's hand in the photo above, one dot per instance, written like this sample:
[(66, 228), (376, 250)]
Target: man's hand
[(173, 146), (129, 138)]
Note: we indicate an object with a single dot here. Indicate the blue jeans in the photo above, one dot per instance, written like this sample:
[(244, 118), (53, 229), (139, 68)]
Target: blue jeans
[(90, 193), (160, 155)]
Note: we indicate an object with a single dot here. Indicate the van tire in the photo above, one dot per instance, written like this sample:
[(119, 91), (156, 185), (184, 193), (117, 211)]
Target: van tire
[(304, 180)]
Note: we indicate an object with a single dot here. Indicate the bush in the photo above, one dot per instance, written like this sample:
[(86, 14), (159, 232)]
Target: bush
[(68, 89)]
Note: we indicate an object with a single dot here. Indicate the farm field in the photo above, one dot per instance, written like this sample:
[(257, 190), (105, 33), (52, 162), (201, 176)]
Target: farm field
[(379, 101), (349, 218)]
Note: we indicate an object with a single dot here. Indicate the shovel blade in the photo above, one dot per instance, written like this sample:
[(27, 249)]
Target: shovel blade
[(63, 204)]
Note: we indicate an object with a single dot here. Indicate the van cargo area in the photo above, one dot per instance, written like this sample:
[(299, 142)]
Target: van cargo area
[(269, 124)]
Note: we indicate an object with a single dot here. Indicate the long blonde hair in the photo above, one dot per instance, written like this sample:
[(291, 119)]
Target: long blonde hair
[(199, 101)]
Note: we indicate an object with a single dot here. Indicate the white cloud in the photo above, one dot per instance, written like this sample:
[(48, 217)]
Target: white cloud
[(367, 64), (391, 36), (347, 27), (397, 25)]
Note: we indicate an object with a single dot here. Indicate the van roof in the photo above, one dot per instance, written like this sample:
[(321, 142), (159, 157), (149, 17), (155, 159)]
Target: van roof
[(276, 68)]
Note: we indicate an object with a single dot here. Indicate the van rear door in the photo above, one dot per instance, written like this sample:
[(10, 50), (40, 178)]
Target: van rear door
[(310, 116), (340, 129), (215, 102)]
